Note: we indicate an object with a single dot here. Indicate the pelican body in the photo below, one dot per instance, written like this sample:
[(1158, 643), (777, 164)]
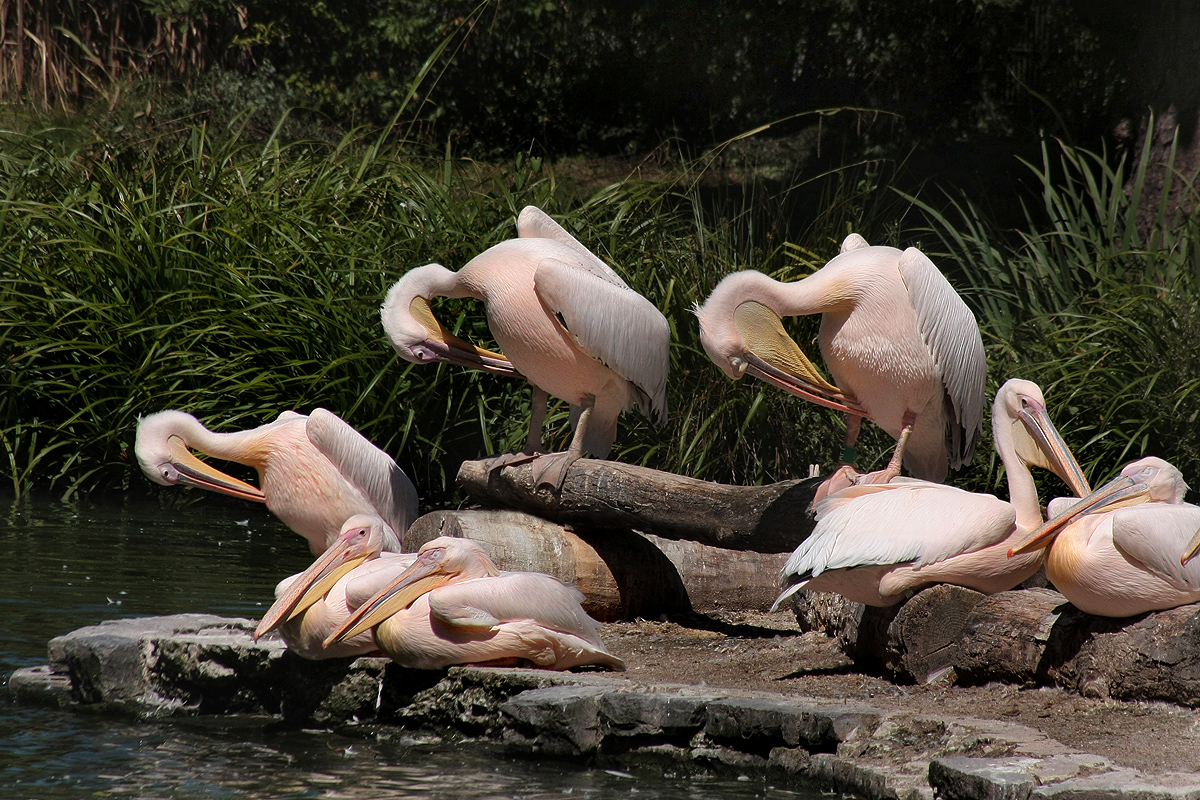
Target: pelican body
[(904, 349), (874, 543), (453, 606), (313, 604), (314, 472), (564, 320), (1117, 552)]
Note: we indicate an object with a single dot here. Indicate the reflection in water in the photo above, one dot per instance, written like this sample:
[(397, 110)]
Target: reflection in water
[(71, 565)]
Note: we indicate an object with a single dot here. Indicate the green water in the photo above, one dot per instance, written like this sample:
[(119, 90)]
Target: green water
[(70, 565)]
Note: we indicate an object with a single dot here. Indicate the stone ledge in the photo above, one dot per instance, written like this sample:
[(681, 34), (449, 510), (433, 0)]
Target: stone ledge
[(196, 664)]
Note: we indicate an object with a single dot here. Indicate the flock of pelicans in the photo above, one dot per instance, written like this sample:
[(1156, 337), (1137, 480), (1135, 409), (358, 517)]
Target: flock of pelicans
[(904, 350)]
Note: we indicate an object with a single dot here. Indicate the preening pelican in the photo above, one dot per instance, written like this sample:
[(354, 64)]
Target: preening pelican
[(564, 319), (1117, 552), (901, 344), (315, 471), (873, 543), (310, 606), (452, 606)]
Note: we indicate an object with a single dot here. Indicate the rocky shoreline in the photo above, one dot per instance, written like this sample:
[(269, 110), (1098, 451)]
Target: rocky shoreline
[(206, 665)]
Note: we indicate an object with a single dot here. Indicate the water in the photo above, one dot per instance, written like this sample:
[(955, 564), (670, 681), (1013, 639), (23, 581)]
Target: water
[(71, 565)]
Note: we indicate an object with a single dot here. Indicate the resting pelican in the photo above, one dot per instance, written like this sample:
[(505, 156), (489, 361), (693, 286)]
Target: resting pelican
[(310, 606), (452, 606), (900, 343), (314, 471), (873, 543), (1116, 552), (565, 320)]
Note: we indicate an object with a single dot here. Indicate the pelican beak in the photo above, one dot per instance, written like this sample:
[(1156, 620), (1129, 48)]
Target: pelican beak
[(447, 347), (423, 576), (1192, 548), (774, 357), (1117, 493), (194, 472), (1058, 458), (312, 585)]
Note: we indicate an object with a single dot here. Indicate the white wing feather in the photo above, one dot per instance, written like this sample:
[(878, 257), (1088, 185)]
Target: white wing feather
[(899, 524), (1155, 534), (514, 596), (369, 469), (614, 325), (533, 223), (952, 334)]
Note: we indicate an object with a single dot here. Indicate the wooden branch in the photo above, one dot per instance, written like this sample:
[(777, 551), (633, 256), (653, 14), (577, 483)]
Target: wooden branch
[(606, 494)]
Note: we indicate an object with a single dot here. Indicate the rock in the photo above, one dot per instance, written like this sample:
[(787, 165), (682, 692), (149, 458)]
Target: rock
[(560, 720)]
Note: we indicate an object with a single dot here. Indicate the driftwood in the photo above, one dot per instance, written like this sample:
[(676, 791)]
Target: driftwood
[(1026, 636), (622, 574), (608, 494)]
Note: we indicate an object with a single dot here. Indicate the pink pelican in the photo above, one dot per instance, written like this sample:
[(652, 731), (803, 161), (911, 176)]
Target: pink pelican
[(564, 319), (310, 606), (314, 471), (453, 606), (874, 543), (900, 343), (1117, 552)]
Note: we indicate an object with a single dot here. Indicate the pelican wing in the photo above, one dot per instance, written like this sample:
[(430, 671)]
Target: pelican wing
[(1156, 534), (898, 524), (614, 325), (514, 596), (371, 577), (366, 467), (537, 224), (952, 335)]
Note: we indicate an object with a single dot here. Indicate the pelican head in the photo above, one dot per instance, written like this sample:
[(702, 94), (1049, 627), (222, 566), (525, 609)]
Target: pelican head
[(1148, 480), (418, 336), (743, 335), (439, 561), (162, 452), (362, 538)]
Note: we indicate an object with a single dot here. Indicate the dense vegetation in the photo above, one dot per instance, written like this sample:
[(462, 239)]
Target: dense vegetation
[(207, 271)]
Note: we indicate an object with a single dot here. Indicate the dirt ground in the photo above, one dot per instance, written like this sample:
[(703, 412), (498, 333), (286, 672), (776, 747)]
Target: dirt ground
[(767, 652)]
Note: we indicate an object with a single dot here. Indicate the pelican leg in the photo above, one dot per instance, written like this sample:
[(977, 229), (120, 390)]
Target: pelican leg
[(845, 475), (551, 468), (892, 470), (539, 405)]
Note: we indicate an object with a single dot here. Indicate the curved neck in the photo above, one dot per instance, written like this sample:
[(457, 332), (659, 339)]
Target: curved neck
[(1022, 491), (236, 446)]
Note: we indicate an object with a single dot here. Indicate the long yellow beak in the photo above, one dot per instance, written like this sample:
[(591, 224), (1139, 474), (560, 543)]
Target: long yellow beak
[(1059, 458), (1192, 548), (454, 350), (1117, 493), (418, 579), (311, 586), (194, 472), (774, 357)]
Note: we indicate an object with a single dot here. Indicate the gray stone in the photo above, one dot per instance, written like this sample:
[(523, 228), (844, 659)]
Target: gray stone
[(761, 723), (792, 760), (1121, 784), (650, 713), (40, 686), (963, 778), (866, 781), (559, 720)]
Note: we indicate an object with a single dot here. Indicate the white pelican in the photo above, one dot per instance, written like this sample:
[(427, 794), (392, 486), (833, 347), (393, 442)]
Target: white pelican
[(565, 320), (314, 471), (310, 606), (873, 543), (452, 606), (1117, 552), (900, 343)]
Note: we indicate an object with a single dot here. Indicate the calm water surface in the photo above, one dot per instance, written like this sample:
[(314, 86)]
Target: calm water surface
[(70, 565)]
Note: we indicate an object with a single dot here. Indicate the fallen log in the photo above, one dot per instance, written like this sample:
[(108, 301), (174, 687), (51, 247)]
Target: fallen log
[(599, 495), (1025, 636), (622, 574)]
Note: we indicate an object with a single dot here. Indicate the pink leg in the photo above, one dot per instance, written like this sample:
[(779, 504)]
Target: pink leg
[(550, 469), (538, 406)]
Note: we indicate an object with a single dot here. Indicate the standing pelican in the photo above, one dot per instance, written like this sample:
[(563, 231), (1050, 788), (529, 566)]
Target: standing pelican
[(314, 471), (310, 606), (1116, 552), (565, 320), (900, 343), (873, 543), (453, 606)]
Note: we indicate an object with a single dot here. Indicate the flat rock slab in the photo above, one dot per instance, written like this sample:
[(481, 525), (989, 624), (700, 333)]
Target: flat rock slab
[(199, 664)]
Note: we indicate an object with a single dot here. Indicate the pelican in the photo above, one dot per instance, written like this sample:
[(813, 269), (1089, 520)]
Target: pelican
[(900, 343), (314, 471), (1117, 552), (453, 606), (874, 543), (564, 319), (311, 605)]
